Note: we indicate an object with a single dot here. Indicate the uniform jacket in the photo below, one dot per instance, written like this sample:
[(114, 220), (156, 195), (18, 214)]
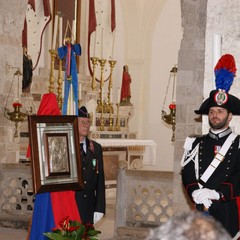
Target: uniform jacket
[(225, 179), (92, 198)]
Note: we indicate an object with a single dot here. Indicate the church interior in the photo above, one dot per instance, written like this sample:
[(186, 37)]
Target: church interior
[(169, 49)]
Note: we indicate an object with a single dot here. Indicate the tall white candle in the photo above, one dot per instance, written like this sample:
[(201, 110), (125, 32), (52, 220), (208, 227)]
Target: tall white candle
[(80, 91), (113, 40), (118, 95), (73, 31), (55, 32), (216, 52), (102, 45), (95, 44), (60, 43)]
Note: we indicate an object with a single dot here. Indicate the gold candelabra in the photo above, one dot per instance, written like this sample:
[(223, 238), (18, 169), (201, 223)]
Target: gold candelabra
[(117, 126), (60, 82), (94, 63), (110, 127), (102, 121), (53, 54), (112, 64)]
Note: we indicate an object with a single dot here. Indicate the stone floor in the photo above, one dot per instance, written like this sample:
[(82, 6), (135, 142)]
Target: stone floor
[(106, 225)]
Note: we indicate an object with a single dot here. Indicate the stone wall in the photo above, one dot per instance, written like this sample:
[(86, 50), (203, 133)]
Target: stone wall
[(190, 80), (11, 25)]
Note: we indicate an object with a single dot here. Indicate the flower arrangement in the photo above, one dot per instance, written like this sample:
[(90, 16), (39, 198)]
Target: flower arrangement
[(73, 230)]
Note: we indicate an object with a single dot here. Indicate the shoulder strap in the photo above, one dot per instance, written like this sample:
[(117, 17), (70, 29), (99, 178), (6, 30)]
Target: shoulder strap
[(219, 157)]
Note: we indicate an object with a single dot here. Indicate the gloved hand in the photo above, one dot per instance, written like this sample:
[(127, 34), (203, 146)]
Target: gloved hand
[(97, 216), (200, 195)]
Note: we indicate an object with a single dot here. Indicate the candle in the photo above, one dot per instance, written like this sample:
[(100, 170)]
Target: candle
[(80, 91), (95, 43), (102, 45), (55, 32), (216, 52), (60, 32), (118, 96), (73, 31), (113, 43)]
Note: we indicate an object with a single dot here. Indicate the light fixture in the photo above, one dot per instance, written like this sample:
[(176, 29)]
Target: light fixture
[(171, 117), (16, 115)]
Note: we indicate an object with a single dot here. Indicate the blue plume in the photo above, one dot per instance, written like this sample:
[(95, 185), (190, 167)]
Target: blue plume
[(224, 79)]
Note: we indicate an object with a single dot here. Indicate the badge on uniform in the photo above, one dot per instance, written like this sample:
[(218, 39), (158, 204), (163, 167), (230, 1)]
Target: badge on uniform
[(94, 163), (216, 149)]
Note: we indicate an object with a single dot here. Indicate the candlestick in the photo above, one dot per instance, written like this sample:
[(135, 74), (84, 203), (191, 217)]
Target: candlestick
[(60, 43), (216, 52), (55, 32), (113, 44)]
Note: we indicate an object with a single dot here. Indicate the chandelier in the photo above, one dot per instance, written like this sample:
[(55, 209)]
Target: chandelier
[(16, 115), (171, 117)]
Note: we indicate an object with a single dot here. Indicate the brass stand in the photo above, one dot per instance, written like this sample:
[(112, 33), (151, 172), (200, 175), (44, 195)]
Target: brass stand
[(101, 102), (110, 128), (59, 88), (94, 63), (52, 79), (117, 126), (109, 103), (101, 127)]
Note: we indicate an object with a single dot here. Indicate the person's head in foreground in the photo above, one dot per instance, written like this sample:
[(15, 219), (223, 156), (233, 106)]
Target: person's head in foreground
[(190, 225)]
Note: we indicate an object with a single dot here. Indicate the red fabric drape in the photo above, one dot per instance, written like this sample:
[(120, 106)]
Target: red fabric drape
[(64, 204), (113, 17)]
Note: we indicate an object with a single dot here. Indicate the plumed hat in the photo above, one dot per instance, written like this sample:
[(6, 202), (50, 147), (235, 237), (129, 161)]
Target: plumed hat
[(82, 112), (224, 74)]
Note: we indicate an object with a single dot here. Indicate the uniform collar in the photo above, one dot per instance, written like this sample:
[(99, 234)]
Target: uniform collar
[(221, 134)]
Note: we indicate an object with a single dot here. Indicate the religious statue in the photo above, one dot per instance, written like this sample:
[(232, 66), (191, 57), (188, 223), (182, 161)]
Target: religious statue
[(27, 71), (70, 51), (125, 90)]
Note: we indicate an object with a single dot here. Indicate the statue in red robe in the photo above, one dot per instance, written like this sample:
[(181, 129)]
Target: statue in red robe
[(125, 91)]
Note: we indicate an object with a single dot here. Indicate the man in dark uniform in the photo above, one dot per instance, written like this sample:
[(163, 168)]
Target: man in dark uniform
[(211, 163), (91, 201)]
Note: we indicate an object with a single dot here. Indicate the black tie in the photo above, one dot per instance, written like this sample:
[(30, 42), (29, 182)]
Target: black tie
[(82, 150)]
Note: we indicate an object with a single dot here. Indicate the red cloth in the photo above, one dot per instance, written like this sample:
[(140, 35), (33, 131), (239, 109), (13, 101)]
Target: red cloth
[(113, 18), (48, 106), (64, 204)]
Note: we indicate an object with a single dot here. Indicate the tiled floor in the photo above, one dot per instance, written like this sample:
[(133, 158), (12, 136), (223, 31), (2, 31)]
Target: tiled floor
[(106, 226)]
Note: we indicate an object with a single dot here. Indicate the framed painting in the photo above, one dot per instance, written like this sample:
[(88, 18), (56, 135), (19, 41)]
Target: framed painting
[(55, 153)]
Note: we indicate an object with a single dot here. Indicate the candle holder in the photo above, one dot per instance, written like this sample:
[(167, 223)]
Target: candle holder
[(110, 127), (101, 127), (53, 54), (117, 126), (94, 63), (102, 65), (112, 64), (59, 88)]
